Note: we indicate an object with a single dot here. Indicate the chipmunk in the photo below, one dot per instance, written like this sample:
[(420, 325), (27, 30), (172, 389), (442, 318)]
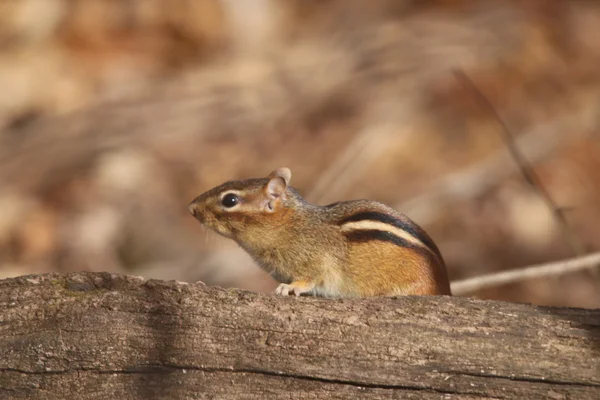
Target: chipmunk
[(353, 248)]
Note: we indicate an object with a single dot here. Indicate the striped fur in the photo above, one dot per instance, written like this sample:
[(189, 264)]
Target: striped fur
[(372, 225)]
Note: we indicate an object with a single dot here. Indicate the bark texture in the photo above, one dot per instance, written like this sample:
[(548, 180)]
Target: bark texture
[(106, 336)]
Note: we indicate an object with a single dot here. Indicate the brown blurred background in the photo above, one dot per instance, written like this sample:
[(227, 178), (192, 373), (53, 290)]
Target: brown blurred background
[(114, 114)]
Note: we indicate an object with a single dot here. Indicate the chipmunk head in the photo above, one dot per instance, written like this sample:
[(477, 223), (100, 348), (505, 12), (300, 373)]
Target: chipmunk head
[(234, 207)]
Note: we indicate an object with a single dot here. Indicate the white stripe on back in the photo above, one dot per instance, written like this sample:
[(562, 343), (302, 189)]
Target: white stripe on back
[(367, 225)]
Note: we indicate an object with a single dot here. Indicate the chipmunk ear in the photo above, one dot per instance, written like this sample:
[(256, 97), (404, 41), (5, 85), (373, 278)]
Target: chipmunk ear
[(278, 182)]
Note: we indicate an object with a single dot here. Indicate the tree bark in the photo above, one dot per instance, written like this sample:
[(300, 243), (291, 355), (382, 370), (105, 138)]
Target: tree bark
[(107, 336)]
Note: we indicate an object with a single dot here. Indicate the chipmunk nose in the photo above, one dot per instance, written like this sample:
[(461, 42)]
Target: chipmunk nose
[(193, 209), (198, 210)]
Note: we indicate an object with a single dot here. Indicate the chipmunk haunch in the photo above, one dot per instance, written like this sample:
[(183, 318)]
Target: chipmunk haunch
[(354, 248)]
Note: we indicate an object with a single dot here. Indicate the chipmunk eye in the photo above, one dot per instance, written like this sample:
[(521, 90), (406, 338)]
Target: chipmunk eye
[(230, 200)]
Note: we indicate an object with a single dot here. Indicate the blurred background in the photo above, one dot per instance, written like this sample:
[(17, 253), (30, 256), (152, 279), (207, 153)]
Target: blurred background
[(115, 114)]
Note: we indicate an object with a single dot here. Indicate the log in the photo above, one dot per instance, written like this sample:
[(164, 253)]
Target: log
[(109, 336)]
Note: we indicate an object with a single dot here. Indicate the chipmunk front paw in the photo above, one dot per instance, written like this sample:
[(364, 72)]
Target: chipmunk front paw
[(296, 288)]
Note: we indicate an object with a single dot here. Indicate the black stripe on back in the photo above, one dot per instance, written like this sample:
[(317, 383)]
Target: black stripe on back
[(374, 234), (411, 228)]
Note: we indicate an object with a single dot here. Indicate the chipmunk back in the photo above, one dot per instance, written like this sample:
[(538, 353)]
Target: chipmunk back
[(353, 248)]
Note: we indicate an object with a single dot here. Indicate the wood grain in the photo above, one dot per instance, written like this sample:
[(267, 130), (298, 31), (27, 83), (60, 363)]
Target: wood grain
[(103, 336)]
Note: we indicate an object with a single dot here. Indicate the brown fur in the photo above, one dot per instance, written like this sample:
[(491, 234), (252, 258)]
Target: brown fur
[(302, 245)]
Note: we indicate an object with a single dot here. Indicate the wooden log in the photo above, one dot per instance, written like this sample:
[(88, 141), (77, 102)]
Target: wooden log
[(108, 336)]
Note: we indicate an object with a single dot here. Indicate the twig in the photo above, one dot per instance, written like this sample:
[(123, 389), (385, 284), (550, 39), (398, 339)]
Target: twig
[(524, 166), (471, 285), (472, 181)]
